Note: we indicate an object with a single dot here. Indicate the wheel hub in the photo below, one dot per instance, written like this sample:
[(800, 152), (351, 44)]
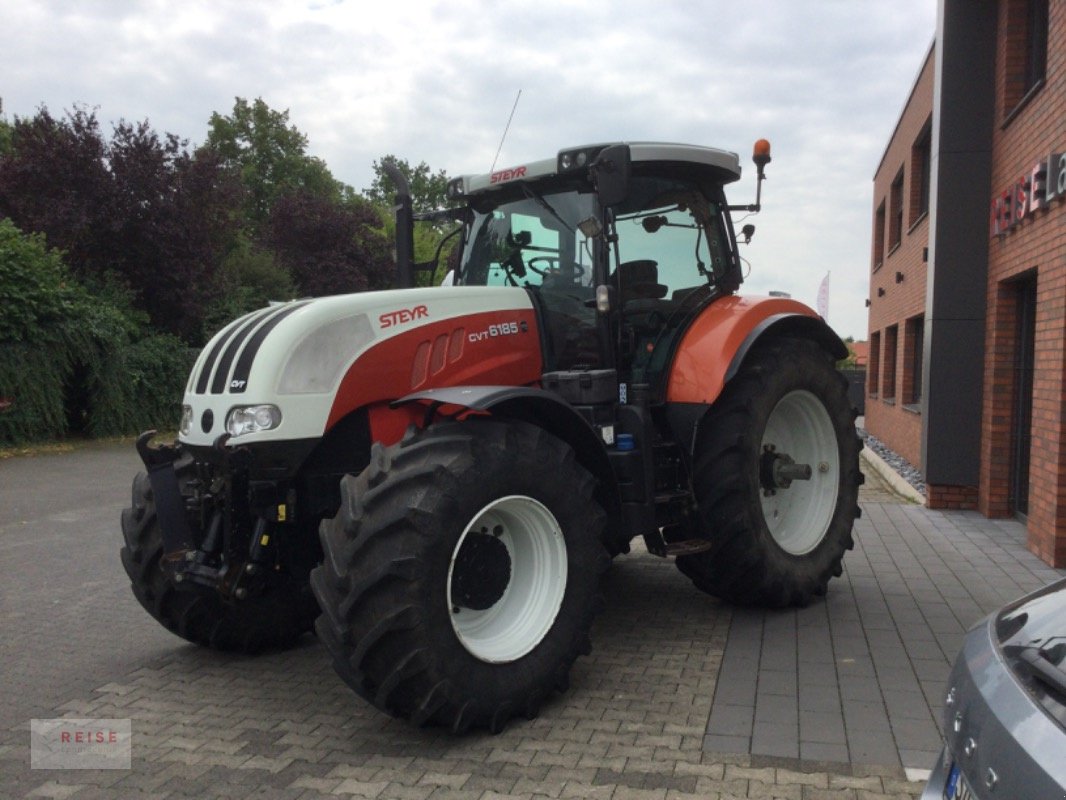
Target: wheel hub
[(778, 470), (482, 570)]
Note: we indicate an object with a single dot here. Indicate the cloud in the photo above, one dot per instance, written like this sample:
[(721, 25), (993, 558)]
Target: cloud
[(436, 81)]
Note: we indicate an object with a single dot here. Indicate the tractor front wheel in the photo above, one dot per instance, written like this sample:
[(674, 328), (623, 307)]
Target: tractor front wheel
[(461, 573), (776, 479), (272, 619)]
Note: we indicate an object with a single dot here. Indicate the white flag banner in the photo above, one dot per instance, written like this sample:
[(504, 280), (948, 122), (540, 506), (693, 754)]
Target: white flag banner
[(823, 297)]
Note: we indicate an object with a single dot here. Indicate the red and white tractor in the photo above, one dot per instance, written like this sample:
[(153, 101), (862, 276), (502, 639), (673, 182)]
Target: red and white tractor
[(434, 479)]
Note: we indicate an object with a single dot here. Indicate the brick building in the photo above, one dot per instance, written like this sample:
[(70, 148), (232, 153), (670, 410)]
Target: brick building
[(897, 278), (967, 367)]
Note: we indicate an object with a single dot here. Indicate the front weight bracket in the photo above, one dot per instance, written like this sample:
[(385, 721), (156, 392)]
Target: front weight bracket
[(169, 504)]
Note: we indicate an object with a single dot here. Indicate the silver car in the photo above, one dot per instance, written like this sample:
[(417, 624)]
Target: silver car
[(1005, 711)]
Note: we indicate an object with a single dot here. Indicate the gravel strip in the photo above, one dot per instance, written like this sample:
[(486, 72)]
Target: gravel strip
[(910, 473)]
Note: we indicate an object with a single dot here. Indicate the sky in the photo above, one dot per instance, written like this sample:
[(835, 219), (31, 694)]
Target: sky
[(823, 80)]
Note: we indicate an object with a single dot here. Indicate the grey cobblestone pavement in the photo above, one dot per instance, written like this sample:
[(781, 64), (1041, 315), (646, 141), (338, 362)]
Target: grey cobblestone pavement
[(639, 720), (861, 677)]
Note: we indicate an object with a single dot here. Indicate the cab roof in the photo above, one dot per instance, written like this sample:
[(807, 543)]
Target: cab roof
[(725, 164)]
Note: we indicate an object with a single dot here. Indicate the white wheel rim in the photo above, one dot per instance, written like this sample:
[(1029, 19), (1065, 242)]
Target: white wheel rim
[(522, 616), (798, 516)]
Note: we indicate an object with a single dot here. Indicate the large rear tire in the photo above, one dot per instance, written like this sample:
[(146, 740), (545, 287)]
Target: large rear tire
[(273, 619), (776, 542), (461, 573)]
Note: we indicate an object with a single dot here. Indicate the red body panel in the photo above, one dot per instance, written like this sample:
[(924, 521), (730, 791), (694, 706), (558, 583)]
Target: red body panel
[(708, 346), (496, 347)]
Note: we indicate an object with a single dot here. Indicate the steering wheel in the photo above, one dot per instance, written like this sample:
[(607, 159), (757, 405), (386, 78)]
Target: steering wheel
[(552, 264)]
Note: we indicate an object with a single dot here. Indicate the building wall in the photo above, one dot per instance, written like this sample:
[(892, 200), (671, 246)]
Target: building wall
[(898, 278), (1035, 247), (996, 246)]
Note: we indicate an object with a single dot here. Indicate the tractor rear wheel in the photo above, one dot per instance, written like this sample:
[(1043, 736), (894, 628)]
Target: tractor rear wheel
[(776, 479), (461, 573), (273, 619)]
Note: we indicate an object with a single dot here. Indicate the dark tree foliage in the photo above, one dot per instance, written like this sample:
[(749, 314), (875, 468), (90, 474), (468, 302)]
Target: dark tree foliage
[(174, 223), (329, 247), (138, 207), (55, 181), (428, 188)]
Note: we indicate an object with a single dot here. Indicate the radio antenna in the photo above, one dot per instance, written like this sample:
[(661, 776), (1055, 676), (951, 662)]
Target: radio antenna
[(506, 128)]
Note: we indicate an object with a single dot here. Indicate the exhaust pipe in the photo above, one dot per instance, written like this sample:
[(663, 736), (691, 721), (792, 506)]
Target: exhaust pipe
[(405, 226)]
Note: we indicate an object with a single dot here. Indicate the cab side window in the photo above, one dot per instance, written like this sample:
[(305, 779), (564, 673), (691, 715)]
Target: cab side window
[(680, 235)]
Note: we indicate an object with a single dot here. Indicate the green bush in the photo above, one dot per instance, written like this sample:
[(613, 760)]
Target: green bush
[(31, 392), (73, 361), (34, 357), (250, 278)]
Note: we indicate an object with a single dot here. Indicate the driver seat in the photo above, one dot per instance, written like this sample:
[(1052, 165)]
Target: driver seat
[(639, 280)]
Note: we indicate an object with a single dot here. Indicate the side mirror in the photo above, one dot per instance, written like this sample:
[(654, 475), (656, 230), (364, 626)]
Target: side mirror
[(610, 174)]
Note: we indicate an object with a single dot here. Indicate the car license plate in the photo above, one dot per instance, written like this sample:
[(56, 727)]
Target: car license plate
[(956, 787)]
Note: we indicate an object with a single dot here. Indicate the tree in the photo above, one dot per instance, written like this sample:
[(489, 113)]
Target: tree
[(330, 247), (270, 156), (54, 180), (849, 361), (174, 222), (428, 188), (5, 132), (138, 209)]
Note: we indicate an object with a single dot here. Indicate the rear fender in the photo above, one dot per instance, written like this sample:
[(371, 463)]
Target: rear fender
[(716, 343)]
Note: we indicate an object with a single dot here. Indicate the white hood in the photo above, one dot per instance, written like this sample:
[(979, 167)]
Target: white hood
[(294, 354)]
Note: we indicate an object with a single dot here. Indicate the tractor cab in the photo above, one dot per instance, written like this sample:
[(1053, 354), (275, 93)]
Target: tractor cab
[(620, 247)]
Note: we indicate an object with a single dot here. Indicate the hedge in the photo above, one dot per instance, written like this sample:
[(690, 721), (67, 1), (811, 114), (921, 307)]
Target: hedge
[(72, 361)]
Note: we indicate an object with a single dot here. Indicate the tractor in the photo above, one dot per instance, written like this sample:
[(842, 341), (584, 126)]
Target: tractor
[(434, 479)]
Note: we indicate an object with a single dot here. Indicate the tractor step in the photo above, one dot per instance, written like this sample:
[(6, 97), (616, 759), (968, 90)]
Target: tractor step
[(687, 547)]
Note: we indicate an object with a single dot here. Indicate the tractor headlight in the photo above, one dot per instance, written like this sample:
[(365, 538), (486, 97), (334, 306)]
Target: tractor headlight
[(186, 420), (252, 419)]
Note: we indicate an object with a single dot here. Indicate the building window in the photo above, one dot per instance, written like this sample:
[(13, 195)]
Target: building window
[(879, 236), (1035, 43), (921, 174), (1026, 50), (888, 383), (913, 346), (895, 233), (872, 368)]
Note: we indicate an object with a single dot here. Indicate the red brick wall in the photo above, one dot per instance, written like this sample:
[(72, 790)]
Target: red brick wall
[(895, 299), (1026, 135), (951, 497)]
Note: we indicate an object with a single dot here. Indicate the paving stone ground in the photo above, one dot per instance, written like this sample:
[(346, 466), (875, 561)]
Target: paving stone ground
[(860, 678), (637, 722)]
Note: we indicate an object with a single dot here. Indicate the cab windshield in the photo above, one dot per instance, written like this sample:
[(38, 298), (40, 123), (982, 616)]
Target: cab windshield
[(531, 242)]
